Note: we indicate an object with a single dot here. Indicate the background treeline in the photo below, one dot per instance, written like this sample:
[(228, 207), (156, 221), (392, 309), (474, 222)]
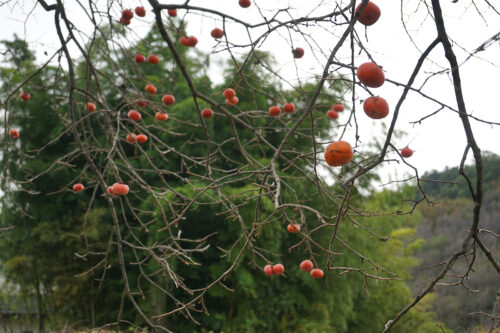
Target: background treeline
[(443, 226)]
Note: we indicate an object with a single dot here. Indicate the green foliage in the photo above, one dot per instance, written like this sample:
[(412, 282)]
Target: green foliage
[(383, 299), (38, 255), (50, 231), (452, 185), (443, 226)]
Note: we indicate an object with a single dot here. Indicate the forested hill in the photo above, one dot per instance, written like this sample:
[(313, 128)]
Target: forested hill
[(444, 226), (452, 185)]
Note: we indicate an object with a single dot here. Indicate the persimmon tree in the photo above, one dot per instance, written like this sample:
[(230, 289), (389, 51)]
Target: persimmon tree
[(167, 170)]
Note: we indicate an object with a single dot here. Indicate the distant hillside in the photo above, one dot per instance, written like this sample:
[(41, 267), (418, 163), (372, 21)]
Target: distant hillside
[(444, 226), (456, 186)]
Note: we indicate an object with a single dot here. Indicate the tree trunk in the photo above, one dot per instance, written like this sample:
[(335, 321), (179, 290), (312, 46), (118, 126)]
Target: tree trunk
[(38, 298)]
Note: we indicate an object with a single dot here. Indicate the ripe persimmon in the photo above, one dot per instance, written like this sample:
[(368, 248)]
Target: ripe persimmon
[(217, 33), (332, 114), (338, 153), (139, 58), (141, 138), (150, 89), (124, 21), (78, 187), (306, 265), (288, 108), (140, 11), (153, 59), (317, 273), (278, 269), (192, 41), (207, 113), (298, 52), (184, 41), (120, 189), (161, 116), (338, 107), (229, 93), (293, 228), (168, 99), (268, 269), (369, 15), (131, 138), (172, 12), (90, 107), (134, 115), (274, 111), (406, 152), (24, 95), (127, 14), (14, 134), (232, 101), (376, 107), (235, 100), (245, 3), (371, 75)]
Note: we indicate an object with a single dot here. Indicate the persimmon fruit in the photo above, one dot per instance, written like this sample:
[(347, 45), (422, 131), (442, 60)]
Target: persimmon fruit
[(369, 15), (274, 111), (293, 228), (288, 108), (131, 138), (338, 107), (161, 116), (14, 134), (268, 269), (140, 11), (153, 59), (90, 107), (120, 189), (150, 89), (141, 138), (168, 99), (134, 115), (332, 114), (306, 265), (124, 21), (317, 273), (217, 33), (139, 58), (24, 95), (229, 93), (172, 12), (298, 53), (207, 113), (278, 269), (371, 75), (233, 101), (184, 41), (338, 153), (376, 107), (78, 187), (127, 14), (245, 3), (192, 41), (406, 152)]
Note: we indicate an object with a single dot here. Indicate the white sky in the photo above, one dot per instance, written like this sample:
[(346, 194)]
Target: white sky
[(438, 142)]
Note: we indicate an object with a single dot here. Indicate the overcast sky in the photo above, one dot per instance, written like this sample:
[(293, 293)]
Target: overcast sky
[(438, 141)]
